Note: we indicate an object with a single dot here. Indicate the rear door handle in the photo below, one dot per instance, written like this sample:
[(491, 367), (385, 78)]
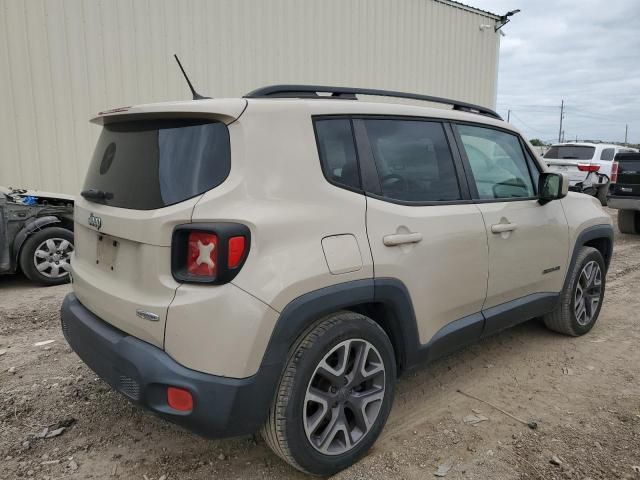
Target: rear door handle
[(503, 227), (401, 239)]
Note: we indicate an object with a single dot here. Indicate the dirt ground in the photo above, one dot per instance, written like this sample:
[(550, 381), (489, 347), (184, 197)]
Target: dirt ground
[(583, 393)]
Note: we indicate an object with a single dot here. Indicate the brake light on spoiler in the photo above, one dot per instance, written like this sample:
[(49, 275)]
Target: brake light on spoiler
[(210, 253), (114, 110)]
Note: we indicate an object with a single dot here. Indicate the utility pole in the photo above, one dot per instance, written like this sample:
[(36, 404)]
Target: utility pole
[(561, 117), (508, 115), (626, 131)]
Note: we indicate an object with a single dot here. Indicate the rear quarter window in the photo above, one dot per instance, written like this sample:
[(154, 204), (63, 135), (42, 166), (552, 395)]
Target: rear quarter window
[(337, 152), (607, 154)]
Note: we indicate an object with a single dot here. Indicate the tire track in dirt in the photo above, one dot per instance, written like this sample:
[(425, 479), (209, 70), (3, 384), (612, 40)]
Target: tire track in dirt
[(624, 272)]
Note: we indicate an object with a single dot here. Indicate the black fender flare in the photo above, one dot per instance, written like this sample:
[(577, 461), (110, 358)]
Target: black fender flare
[(29, 227), (304, 311), (595, 232)]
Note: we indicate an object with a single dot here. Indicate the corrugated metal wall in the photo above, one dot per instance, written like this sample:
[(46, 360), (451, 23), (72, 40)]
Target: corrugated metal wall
[(61, 61)]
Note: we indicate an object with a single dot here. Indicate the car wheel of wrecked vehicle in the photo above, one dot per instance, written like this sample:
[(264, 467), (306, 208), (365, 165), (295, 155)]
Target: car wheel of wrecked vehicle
[(628, 221), (45, 256)]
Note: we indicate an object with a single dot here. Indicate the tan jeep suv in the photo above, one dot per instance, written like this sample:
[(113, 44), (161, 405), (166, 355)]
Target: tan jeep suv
[(276, 262)]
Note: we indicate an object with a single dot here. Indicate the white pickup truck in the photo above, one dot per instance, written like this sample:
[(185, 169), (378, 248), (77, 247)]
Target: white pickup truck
[(588, 165)]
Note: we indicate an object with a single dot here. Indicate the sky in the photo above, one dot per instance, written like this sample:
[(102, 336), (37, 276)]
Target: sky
[(586, 52)]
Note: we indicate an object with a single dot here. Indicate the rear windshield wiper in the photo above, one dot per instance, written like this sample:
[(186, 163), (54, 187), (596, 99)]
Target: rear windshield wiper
[(92, 194)]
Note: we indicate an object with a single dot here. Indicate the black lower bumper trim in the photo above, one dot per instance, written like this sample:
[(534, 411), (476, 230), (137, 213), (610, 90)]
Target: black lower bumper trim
[(222, 407)]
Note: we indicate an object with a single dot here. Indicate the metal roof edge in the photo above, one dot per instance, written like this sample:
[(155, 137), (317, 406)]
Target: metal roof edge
[(469, 8)]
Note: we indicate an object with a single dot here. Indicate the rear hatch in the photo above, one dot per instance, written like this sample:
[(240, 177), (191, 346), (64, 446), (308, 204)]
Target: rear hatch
[(148, 171), (565, 159), (628, 180)]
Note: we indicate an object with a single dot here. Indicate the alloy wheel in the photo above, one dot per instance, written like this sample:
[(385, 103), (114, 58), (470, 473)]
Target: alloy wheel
[(588, 293), (344, 396)]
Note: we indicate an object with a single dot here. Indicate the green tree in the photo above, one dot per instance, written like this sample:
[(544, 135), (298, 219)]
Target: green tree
[(536, 142)]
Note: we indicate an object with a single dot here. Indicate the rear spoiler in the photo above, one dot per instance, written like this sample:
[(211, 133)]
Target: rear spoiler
[(226, 110)]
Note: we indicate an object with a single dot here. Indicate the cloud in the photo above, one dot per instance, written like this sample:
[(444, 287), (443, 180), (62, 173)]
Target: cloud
[(585, 52)]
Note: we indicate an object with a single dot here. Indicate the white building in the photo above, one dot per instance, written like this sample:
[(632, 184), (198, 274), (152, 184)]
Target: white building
[(61, 61)]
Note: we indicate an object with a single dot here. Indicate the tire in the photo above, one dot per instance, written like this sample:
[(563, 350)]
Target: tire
[(570, 318), (628, 221), (295, 411), (601, 194), (42, 250)]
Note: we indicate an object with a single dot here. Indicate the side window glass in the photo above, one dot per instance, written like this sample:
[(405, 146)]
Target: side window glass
[(497, 162), (413, 160), (534, 169), (337, 152), (607, 153)]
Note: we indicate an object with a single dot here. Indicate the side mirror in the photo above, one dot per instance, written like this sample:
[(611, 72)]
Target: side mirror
[(552, 186)]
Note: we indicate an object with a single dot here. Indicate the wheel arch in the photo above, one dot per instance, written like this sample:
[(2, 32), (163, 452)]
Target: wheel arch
[(30, 227), (599, 237), (385, 301)]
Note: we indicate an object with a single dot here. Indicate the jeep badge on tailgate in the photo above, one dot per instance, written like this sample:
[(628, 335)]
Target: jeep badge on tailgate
[(95, 221)]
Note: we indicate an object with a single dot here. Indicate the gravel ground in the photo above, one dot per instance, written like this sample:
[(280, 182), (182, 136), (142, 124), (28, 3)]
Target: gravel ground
[(583, 393)]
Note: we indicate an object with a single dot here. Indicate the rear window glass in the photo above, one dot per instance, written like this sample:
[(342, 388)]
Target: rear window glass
[(144, 165), (572, 152)]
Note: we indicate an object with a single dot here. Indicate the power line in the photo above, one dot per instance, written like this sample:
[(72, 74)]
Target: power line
[(526, 125)]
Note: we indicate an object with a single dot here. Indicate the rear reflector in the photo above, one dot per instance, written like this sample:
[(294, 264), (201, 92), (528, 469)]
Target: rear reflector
[(179, 399), (202, 255), (588, 167), (236, 251), (614, 172)]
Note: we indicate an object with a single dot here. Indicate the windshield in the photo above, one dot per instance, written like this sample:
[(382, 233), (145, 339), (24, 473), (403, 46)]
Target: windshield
[(145, 165), (573, 152)]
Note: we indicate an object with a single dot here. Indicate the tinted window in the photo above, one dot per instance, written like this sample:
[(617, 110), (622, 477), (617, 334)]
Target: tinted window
[(607, 154), (571, 152), (497, 162), (146, 165), (337, 152), (413, 160)]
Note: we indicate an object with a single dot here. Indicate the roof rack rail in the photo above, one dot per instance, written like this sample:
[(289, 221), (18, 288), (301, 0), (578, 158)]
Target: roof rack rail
[(349, 93)]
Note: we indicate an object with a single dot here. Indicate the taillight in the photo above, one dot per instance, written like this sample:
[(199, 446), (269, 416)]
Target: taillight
[(614, 172), (202, 254), (209, 252), (236, 251), (588, 167)]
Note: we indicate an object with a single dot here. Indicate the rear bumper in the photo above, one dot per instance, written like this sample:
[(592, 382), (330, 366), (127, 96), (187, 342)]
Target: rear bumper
[(621, 203), (222, 407)]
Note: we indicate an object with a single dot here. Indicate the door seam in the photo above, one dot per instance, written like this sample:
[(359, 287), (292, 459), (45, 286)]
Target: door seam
[(486, 236)]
